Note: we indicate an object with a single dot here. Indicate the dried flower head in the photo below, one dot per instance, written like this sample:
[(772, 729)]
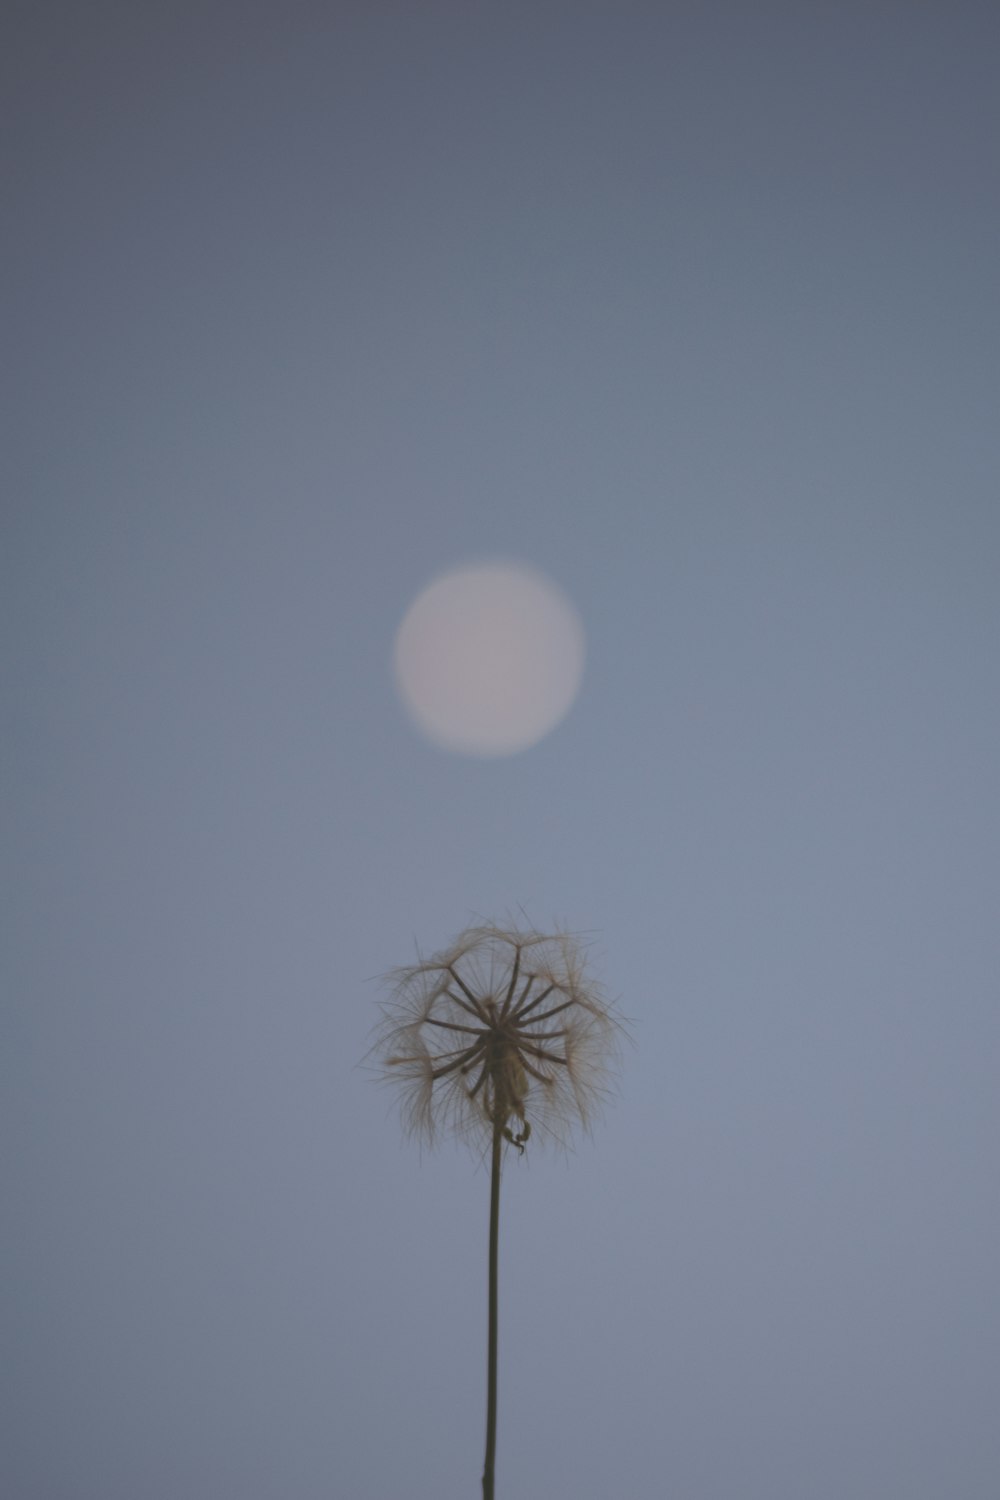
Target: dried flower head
[(502, 1031)]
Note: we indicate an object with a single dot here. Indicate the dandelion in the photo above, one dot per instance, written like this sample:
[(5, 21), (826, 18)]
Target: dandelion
[(499, 1039)]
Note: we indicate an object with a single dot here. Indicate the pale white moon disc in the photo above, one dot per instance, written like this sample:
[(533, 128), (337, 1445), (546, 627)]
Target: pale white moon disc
[(489, 658)]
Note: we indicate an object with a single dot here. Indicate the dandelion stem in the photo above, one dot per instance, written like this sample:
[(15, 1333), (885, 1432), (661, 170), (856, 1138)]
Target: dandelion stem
[(467, 1054), (452, 1026), (476, 1007), (536, 1072), (526, 991), (545, 1013), (480, 1014), (515, 971), (524, 1010), (491, 1355), (482, 1076), (540, 1052)]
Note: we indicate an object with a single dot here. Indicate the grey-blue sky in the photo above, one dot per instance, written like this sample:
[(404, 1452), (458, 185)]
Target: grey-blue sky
[(696, 308)]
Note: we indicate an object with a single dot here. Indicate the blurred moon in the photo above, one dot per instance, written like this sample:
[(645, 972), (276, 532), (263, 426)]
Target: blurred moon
[(489, 658)]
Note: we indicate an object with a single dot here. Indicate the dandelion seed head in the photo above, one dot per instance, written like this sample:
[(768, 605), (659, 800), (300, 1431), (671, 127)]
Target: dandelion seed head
[(504, 1029)]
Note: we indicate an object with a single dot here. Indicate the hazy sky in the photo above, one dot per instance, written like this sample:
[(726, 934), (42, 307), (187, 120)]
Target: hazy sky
[(696, 309)]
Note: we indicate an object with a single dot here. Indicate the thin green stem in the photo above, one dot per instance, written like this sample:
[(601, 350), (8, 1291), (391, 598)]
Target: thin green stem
[(491, 1355)]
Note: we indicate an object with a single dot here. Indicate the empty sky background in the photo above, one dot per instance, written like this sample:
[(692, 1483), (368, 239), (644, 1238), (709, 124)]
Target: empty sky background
[(695, 307)]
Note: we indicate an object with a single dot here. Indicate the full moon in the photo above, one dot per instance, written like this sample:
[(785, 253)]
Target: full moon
[(489, 658)]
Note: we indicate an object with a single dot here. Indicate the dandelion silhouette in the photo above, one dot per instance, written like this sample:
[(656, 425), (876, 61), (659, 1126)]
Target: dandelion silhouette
[(499, 1034)]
